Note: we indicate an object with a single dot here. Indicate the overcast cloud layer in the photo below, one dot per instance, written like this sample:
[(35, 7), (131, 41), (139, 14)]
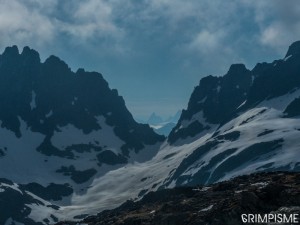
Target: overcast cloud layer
[(153, 51)]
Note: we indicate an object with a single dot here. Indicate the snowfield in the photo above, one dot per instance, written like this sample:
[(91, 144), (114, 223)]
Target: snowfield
[(131, 180), (158, 166)]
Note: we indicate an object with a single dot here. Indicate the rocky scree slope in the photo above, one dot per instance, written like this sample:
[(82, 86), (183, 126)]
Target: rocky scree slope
[(220, 203), (244, 122), (230, 128)]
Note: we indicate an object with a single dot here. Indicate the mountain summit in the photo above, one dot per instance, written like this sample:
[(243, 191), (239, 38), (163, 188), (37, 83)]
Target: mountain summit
[(244, 122), (48, 96), (247, 120), (154, 119), (294, 49), (60, 130), (70, 148)]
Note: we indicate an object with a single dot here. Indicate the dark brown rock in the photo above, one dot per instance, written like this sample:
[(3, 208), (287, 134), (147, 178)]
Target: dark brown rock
[(221, 203)]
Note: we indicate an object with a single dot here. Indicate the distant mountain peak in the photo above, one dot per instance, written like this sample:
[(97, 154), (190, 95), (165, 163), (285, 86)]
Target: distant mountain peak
[(60, 130), (293, 49), (154, 119), (153, 114)]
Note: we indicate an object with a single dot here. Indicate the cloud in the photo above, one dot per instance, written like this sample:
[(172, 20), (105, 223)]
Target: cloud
[(206, 41), (19, 24), (39, 23), (276, 36), (174, 10), (202, 25), (195, 30), (90, 19), (279, 22), (167, 44)]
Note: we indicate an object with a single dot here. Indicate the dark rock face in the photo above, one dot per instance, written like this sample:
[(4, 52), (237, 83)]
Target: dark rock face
[(110, 158), (77, 176), (49, 95), (58, 128), (220, 99), (243, 137), (221, 203), (217, 98), (294, 49), (185, 164), (247, 156), (277, 78), (240, 123), (18, 201), (293, 109), (53, 191)]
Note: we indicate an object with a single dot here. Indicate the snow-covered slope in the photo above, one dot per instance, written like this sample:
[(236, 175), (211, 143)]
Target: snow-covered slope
[(259, 131), (17, 203), (60, 130), (260, 139), (244, 122), (257, 115)]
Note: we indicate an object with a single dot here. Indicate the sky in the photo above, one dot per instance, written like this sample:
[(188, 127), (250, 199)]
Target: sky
[(154, 52)]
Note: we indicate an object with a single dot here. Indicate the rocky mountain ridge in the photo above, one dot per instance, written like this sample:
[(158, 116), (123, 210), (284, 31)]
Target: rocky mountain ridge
[(60, 130), (49, 95), (221, 99), (96, 157), (240, 134)]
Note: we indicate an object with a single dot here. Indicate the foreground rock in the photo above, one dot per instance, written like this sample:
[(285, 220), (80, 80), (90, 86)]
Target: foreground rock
[(221, 203)]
